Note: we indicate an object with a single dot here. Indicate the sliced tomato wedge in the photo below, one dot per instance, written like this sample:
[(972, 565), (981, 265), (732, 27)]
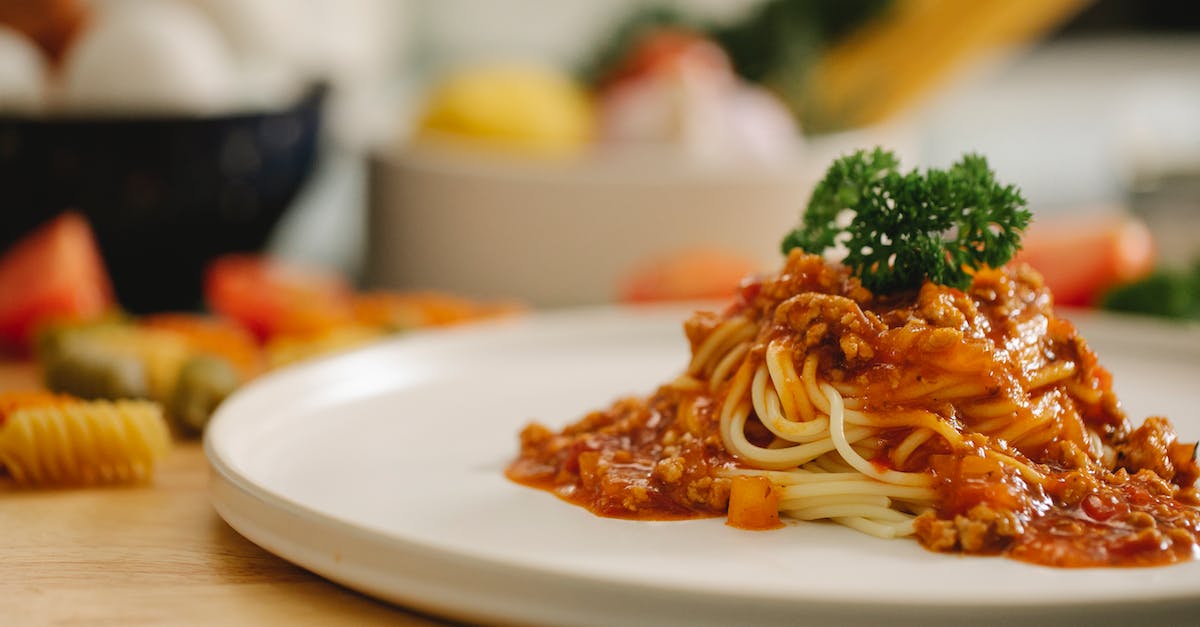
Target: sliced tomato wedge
[(666, 51), (55, 273), (272, 297), (698, 274), (1082, 258)]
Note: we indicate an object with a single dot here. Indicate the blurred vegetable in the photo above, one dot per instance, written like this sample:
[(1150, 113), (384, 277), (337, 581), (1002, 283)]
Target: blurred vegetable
[(75, 366), (204, 383), (284, 350), (1082, 258), (848, 63), (527, 109), (666, 52), (629, 32), (1165, 293), (113, 361), (379, 314), (402, 311), (776, 45), (779, 44), (273, 297), (192, 362), (160, 360), (698, 274), (210, 335), (54, 273)]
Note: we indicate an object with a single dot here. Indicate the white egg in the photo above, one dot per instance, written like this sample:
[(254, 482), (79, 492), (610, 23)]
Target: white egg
[(353, 40), (269, 86), (260, 30), (22, 74), (269, 39), (150, 57)]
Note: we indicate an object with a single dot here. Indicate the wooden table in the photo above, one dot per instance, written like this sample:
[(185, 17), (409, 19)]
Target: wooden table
[(153, 555)]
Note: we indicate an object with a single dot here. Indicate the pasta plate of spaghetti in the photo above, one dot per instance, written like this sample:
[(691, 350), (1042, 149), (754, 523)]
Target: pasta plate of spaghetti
[(885, 427)]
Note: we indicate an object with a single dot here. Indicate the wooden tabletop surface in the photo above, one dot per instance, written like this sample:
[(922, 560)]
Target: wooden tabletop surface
[(153, 555)]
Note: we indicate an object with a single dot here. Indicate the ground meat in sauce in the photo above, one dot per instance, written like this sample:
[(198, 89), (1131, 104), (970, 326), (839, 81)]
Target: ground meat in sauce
[(633, 460), (1110, 494)]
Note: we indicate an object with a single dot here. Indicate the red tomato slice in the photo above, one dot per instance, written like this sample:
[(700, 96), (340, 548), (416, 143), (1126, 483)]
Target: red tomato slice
[(54, 273), (699, 274), (271, 297), (666, 51), (1081, 259)]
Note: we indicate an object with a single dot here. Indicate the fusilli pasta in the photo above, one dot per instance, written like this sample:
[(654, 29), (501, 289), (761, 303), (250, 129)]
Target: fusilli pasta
[(53, 440)]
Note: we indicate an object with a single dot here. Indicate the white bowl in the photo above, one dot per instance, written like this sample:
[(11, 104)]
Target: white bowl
[(559, 234)]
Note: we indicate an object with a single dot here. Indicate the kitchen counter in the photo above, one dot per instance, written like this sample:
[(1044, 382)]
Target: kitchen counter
[(153, 555)]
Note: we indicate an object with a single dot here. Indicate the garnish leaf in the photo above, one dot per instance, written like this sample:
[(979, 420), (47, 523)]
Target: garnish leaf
[(900, 229)]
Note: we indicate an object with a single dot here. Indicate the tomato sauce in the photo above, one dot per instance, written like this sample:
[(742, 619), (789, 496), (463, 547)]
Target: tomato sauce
[(1135, 522), (634, 460), (1040, 463)]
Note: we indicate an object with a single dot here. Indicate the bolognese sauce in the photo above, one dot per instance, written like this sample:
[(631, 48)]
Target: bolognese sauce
[(976, 420)]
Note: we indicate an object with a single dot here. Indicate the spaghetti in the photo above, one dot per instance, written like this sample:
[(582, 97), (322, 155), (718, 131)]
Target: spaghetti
[(976, 421)]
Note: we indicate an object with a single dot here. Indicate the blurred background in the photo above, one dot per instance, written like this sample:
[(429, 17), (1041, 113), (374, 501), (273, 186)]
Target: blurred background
[(535, 153)]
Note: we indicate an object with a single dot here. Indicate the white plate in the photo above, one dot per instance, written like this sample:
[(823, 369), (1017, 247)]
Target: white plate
[(383, 470)]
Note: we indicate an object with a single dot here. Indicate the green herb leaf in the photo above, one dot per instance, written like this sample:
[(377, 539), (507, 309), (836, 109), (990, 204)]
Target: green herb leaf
[(901, 229)]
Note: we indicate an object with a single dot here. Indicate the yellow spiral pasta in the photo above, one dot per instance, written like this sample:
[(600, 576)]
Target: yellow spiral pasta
[(60, 441)]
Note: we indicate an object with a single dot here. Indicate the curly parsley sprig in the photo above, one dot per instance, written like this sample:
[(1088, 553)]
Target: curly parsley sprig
[(901, 229)]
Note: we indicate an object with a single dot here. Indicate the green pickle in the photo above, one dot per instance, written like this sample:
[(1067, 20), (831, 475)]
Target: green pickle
[(112, 360), (73, 362), (204, 382)]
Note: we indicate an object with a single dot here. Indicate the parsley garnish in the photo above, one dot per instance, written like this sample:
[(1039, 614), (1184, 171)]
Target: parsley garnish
[(901, 229)]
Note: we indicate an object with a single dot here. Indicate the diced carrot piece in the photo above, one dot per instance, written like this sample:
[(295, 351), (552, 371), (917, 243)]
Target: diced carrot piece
[(214, 336), (753, 503)]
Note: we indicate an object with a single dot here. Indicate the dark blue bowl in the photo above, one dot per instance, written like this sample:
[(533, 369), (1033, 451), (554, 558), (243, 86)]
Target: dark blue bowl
[(165, 195)]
